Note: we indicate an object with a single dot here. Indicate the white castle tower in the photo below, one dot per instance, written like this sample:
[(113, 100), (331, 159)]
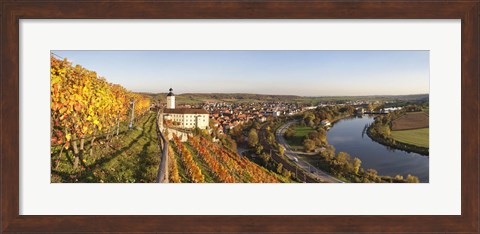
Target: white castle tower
[(184, 117), (170, 100)]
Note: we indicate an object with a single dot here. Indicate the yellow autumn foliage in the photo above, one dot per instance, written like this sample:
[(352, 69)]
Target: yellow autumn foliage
[(83, 102)]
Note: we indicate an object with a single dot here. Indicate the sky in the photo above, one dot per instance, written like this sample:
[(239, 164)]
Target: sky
[(302, 73)]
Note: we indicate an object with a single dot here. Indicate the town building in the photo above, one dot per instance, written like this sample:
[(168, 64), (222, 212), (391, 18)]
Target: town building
[(360, 111), (184, 117), (325, 122)]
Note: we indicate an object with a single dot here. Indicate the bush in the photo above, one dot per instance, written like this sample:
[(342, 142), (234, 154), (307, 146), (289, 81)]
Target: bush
[(309, 145)]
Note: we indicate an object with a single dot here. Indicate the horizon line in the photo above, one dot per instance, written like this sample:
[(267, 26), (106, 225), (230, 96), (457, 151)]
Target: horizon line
[(264, 94)]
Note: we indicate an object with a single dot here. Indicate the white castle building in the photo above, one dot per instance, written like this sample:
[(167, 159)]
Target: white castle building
[(184, 117)]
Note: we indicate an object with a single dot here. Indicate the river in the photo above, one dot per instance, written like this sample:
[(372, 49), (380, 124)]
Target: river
[(348, 135)]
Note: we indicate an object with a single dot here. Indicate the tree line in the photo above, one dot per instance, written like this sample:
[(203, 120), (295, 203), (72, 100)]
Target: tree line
[(380, 130), (345, 166)]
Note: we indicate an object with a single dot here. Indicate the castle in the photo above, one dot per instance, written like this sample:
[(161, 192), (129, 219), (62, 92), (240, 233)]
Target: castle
[(185, 117)]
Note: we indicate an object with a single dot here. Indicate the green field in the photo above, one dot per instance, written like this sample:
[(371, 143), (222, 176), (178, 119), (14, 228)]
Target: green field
[(418, 137), (296, 142)]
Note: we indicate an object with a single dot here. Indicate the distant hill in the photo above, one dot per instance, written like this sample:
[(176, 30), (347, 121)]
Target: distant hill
[(196, 98), (152, 95), (413, 97)]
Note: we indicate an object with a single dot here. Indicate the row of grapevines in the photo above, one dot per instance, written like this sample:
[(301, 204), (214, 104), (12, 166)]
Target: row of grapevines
[(193, 171), (221, 173), (233, 163), (251, 170), (84, 104), (142, 103), (230, 163), (261, 175), (172, 167)]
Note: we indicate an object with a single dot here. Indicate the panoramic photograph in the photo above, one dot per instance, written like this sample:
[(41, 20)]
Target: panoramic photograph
[(239, 116)]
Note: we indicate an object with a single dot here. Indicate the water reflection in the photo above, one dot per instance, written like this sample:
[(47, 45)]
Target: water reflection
[(349, 135)]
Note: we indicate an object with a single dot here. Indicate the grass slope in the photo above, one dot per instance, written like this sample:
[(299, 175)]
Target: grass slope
[(131, 157), (418, 137)]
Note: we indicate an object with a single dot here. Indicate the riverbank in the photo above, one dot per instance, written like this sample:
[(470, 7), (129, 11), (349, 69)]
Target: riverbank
[(387, 141), (348, 135)]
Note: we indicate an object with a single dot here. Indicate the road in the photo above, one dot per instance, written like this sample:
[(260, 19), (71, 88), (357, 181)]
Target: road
[(304, 165), (300, 174)]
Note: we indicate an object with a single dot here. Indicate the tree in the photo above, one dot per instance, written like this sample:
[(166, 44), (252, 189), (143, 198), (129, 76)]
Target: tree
[(398, 178), (371, 174), (252, 137), (308, 118), (342, 158), (309, 145), (230, 143), (279, 168), (356, 165), (412, 179), (290, 132), (329, 153), (258, 149), (270, 138), (370, 107), (256, 125), (322, 135), (236, 133), (318, 137), (281, 150), (286, 173), (265, 158)]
